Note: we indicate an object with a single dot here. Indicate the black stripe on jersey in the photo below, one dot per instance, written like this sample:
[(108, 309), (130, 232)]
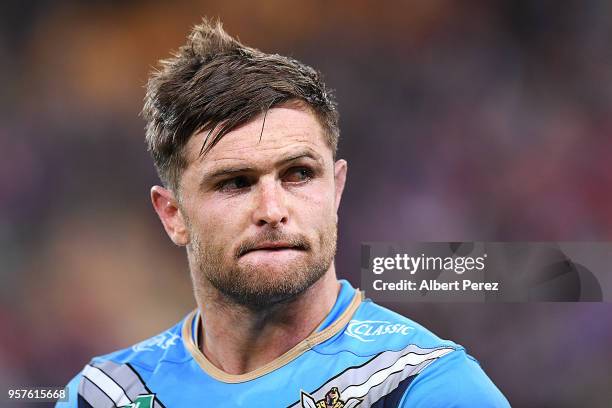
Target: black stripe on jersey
[(128, 365), (393, 399), (81, 403)]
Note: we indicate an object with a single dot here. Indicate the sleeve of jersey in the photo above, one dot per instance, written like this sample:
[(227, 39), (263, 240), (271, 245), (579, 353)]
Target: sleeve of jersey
[(455, 380), (72, 388)]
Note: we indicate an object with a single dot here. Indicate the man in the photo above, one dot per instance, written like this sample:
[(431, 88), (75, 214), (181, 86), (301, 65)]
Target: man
[(244, 143)]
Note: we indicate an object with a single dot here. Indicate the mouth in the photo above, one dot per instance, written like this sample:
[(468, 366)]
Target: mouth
[(275, 247)]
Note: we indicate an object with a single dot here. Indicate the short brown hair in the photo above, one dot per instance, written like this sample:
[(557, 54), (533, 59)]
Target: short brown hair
[(214, 83)]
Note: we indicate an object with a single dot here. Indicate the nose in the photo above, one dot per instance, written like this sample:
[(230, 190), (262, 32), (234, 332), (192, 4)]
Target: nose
[(270, 208)]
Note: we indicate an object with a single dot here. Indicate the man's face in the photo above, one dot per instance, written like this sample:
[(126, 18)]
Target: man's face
[(260, 209)]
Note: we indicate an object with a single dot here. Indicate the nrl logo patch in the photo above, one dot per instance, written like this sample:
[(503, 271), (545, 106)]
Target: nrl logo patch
[(142, 401), (332, 400), (162, 341)]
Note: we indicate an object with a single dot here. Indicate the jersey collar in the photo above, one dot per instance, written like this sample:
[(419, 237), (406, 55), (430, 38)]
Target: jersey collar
[(346, 304)]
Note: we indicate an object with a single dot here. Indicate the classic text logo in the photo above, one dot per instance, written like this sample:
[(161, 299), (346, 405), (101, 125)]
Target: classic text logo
[(367, 330)]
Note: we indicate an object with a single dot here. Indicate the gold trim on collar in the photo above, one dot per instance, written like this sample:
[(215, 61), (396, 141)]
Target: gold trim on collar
[(293, 353)]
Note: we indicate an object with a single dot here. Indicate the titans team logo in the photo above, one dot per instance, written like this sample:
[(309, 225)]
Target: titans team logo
[(332, 400), (142, 401)]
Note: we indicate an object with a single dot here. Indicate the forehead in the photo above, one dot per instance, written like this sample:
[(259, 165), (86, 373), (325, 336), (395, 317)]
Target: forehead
[(281, 131)]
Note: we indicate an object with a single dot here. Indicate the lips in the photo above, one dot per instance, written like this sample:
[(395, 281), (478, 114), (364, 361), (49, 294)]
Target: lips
[(272, 242), (273, 246)]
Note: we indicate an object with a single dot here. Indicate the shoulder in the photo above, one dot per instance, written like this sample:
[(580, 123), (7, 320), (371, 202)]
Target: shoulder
[(455, 380), (148, 353), (123, 372), (419, 367), (373, 329)]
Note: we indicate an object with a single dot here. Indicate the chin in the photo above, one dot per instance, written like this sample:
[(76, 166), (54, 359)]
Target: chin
[(278, 281), (272, 274)]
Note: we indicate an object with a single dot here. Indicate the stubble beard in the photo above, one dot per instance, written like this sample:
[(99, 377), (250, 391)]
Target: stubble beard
[(252, 286)]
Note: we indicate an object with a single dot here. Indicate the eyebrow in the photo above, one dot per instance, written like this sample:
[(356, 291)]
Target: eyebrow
[(232, 171)]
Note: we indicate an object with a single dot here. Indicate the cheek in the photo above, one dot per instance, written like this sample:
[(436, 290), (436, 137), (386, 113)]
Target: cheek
[(217, 224), (316, 208)]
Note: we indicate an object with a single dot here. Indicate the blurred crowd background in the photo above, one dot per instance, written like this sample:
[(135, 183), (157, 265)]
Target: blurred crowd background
[(472, 120)]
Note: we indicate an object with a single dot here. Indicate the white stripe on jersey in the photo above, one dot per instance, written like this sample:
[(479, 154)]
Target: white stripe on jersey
[(380, 376), (107, 385)]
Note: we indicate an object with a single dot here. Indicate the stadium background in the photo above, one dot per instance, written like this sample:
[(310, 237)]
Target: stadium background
[(477, 120)]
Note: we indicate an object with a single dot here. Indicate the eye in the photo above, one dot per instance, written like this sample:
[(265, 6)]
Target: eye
[(298, 175), (235, 183)]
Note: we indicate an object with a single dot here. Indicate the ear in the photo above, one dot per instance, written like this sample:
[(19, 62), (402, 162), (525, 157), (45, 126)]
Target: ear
[(340, 169), (168, 210)]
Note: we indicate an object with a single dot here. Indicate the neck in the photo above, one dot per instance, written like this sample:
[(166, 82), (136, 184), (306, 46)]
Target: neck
[(238, 340)]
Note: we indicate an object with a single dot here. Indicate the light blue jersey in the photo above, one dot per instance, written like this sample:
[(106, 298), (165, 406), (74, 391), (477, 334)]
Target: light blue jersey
[(362, 355)]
